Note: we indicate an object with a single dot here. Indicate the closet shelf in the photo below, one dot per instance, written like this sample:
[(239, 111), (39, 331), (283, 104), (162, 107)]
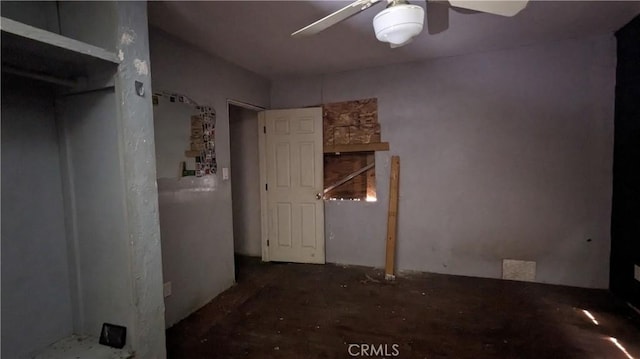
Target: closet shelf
[(79, 346), (28, 49)]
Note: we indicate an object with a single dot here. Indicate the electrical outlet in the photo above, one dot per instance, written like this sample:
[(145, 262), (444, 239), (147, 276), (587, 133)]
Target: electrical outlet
[(636, 272), (167, 289)]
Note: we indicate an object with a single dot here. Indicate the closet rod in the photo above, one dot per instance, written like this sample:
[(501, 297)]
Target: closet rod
[(36, 76)]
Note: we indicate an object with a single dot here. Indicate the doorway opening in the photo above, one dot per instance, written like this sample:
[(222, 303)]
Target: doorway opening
[(245, 181)]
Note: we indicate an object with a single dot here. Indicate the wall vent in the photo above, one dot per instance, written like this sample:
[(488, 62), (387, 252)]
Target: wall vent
[(514, 269)]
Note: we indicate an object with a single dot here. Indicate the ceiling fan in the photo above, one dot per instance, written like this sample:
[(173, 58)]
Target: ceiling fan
[(401, 21)]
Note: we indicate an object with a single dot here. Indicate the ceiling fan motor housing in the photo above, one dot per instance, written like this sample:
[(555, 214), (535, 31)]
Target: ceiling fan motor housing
[(398, 24)]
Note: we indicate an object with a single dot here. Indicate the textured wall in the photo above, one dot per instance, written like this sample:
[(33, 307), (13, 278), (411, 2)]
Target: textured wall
[(504, 154), (137, 147), (35, 276), (205, 231), (245, 180)]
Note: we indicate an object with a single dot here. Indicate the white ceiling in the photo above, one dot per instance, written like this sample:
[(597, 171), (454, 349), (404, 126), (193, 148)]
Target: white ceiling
[(255, 34)]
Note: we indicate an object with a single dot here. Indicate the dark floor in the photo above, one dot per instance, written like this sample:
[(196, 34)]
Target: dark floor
[(317, 311)]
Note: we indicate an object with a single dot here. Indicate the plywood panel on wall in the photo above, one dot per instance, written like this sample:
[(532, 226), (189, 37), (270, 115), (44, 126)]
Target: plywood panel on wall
[(351, 122)]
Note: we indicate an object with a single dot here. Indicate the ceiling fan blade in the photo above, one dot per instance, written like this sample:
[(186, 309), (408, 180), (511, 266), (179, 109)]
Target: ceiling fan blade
[(503, 7), (332, 19), (437, 16)]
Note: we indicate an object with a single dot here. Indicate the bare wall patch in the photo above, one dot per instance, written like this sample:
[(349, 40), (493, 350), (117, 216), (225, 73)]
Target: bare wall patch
[(128, 37), (141, 67)]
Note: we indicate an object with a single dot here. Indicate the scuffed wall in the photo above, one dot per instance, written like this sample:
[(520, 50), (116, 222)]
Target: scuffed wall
[(196, 217), (505, 154)]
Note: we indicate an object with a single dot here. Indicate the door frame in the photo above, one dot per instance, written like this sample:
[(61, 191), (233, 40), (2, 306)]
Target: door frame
[(260, 112), (262, 160)]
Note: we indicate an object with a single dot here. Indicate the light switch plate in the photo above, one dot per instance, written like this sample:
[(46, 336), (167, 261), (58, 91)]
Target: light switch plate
[(225, 173), (636, 272)]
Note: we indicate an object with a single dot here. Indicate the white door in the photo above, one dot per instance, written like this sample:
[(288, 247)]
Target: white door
[(291, 166)]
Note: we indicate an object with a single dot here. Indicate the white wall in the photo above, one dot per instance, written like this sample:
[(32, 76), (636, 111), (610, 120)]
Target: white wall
[(245, 178), (96, 212), (172, 129), (196, 216), (504, 154), (184, 202), (36, 297)]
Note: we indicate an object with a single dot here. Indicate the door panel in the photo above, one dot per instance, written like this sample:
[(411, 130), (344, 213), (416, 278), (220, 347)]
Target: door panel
[(283, 165), (283, 224), (307, 168), (293, 145)]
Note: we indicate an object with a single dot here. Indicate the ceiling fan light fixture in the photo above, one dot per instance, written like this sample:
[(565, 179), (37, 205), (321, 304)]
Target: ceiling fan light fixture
[(399, 23)]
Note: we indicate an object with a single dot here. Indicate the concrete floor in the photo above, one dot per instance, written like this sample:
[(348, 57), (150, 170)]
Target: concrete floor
[(320, 311)]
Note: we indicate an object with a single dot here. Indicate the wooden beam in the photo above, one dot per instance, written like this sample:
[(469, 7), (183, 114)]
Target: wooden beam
[(392, 219), (364, 147)]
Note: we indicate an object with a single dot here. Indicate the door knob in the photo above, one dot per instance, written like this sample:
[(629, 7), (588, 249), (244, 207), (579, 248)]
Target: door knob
[(318, 195)]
